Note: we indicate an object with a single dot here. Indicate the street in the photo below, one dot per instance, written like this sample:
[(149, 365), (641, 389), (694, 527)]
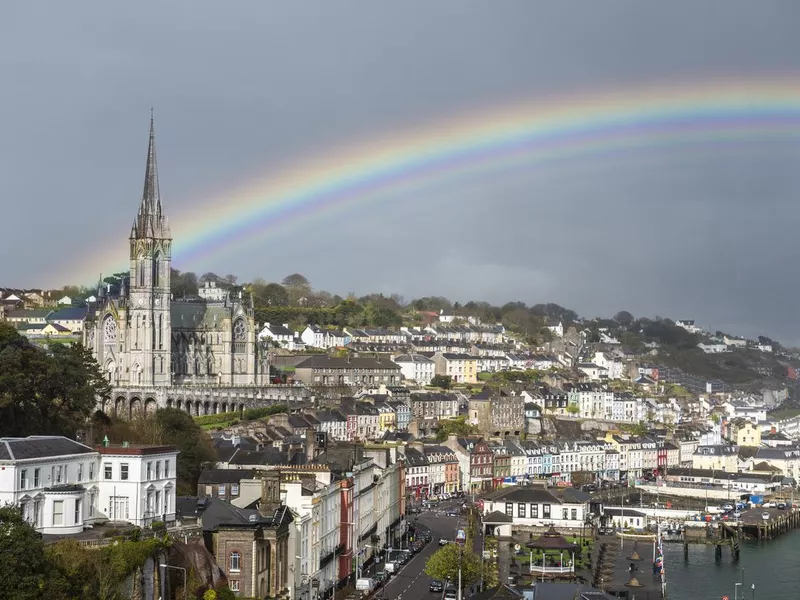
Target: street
[(411, 582)]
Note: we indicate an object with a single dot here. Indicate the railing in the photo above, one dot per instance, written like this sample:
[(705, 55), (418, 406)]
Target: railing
[(543, 570)]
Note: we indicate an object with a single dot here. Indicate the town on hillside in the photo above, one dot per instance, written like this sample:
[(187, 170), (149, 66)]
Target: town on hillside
[(270, 440)]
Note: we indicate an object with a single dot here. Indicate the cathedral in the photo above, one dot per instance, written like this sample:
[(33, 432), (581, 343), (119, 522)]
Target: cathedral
[(154, 347)]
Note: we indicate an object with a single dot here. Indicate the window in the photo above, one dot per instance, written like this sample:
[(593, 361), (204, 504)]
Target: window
[(235, 560), (37, 512), (91, 471), (158, 469), (521, 510), (158, 500), (23, 478), (123, 471), (534, 510), (59, 473), (149, 471), (209, 490), (234, 489), (565, 514), (574, 514), (92, 500), (166, 469), (78, 514), (545, 511), (221, 490), (58, 512), (36, 478), (107, 469), (80, 472), (509, 509), (234, 585)]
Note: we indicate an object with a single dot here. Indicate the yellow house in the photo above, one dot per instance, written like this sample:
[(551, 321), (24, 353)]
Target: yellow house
[(461, 368), (387, 418), (743, 433), (716, 458)]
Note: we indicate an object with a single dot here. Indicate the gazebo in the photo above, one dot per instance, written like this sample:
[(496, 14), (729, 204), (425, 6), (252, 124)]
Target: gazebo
[(553, 547)]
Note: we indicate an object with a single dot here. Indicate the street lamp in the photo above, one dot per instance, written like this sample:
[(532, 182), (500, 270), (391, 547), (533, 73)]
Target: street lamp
[(166, 566), (736, 590)]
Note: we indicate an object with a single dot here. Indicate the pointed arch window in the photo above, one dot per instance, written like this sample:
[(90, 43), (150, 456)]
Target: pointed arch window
[(140, 270), (156, 267), (109, 331)]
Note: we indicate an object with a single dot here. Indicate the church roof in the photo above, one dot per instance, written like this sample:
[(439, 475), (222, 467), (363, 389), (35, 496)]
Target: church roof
[(191, 315)]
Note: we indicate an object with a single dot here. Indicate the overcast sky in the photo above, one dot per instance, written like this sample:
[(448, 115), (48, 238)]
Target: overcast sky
[(248, 89)]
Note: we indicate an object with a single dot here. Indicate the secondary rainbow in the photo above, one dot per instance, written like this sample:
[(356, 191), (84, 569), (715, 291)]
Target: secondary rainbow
[(478, 144)]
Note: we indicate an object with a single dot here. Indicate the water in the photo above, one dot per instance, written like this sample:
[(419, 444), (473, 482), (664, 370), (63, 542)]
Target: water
[(772, 566)]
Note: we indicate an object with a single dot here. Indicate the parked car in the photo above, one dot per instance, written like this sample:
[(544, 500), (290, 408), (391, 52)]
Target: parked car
[(781, 505), (737, 514), (450, 593), (727, 507), (436, 586), (765, 516), (443, 542)]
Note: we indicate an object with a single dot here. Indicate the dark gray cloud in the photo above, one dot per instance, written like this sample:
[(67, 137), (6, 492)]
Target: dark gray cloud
[(705, 232)]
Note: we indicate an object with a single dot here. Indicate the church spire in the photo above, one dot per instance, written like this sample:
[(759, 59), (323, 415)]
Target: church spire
[(150, 221), (151, 198)]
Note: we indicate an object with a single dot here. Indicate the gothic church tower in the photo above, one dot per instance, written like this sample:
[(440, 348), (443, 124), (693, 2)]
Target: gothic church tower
[(149, 334)]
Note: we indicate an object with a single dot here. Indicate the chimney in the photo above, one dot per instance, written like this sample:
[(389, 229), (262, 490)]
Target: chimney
[(311, 444)]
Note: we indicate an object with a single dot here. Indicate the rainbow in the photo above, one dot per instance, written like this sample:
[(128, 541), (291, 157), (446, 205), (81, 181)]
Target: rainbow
[(477, 145)]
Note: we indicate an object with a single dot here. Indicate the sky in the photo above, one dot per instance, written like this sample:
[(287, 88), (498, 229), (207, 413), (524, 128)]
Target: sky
[(250, 90)]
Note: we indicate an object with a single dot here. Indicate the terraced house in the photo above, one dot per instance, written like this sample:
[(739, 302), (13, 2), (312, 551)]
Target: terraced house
[(330, 370)]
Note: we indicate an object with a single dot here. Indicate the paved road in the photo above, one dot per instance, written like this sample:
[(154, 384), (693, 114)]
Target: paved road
[(411, 583)]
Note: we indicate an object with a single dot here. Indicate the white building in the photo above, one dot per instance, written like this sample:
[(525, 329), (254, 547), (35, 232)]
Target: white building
[(416, 367), (614, 368), (317, 510), (137, 483), (63, 486), (533, 506)]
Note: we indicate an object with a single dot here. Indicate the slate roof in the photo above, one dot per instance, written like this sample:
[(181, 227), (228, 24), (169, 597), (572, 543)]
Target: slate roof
[(40, 446), (215, 513), (334, 362), (528, 494), (216, 476), (74, 313), (412, 358), (36, 313), (497, 517), (193, 314)]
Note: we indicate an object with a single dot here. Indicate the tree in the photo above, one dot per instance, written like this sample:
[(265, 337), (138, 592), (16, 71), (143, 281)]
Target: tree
[(444, 564), (46, 392), (457, 426), (442, 381), (273, 294), (624, 318), (172, 427), (183, 284), (295, 280), (24, 568), (573, 409)]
